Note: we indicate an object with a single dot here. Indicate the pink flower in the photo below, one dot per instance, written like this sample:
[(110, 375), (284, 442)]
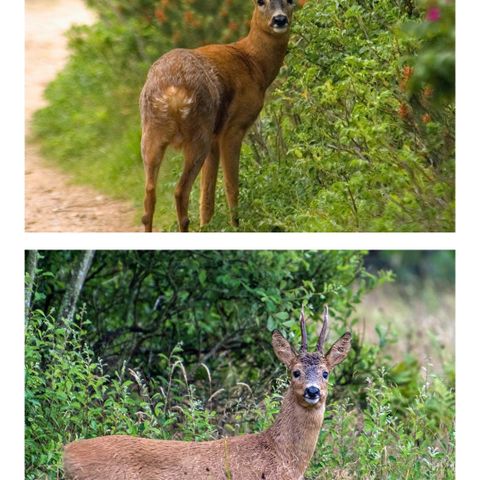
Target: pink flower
[(433, 14)]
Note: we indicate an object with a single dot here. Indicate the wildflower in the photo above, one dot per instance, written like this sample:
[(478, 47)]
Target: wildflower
[(404, 111), (433, 14), (407, 73), (427, 91), (160, 14), (426, 118)]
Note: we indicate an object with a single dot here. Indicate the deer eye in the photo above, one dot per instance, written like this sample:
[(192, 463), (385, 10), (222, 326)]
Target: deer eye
[(261, 3), (296, 373), (325, 375)]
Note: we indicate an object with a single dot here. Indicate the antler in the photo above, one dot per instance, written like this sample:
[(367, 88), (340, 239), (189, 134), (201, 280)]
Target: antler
[(323, 333), (303, 328)]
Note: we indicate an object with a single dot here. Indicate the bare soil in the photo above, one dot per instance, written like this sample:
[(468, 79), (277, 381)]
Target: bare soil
[(52, 202)]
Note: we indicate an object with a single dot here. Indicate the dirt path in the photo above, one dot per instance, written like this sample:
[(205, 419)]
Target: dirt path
[(52, 202)]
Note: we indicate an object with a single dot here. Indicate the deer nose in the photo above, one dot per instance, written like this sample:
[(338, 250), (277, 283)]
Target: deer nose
[(280, 20), (312, 392)]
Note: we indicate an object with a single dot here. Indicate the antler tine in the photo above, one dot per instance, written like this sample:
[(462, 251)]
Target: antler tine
[(303, 328), (323, 333)]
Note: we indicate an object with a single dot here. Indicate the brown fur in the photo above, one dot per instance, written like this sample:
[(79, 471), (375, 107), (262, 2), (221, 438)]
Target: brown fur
[(280, 453), (203, 101)]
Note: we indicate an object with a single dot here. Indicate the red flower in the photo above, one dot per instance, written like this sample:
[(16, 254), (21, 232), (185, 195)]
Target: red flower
[(404, 111), (433, 14)]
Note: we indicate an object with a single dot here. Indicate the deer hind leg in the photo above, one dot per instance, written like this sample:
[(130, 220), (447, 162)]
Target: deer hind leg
[(208, 183), (195, 155), (230, 146), (153, 151)]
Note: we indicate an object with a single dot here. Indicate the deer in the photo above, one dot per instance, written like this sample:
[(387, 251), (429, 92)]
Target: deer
[(282, 452), (203, 101)]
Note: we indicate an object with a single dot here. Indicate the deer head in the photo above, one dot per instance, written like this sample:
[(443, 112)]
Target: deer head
[(310, 371), (274, 16)]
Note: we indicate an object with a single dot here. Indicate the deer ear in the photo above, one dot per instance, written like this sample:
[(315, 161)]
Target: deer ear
[(282, 348), (339, 350)]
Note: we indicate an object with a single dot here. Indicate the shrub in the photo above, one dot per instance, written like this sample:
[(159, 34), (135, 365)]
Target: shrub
[(343, 133)]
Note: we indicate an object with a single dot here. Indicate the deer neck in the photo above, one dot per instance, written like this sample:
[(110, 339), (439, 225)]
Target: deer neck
[(295, 432), (266, 49)]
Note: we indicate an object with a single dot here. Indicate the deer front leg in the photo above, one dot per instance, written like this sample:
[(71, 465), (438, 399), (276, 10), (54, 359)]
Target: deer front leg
[(195, 155), (230, 146), (208, 184), (153, 151)]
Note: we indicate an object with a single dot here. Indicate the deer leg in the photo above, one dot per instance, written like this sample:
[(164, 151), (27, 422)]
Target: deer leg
[(208, 183), (195, 156), (230, 146), (153, 151)]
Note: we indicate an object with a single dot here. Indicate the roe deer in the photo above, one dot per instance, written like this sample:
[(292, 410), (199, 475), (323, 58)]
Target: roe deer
[(203, 101), (280, 453)]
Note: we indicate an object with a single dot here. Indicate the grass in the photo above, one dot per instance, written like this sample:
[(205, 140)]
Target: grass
[(419, 317)]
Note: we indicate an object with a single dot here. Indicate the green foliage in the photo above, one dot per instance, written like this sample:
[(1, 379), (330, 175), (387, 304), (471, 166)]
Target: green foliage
[(341, 133), (217, 304), (434, 266), (200, 367), (68, 395), (377, 442), (341, 145), (434, 65)]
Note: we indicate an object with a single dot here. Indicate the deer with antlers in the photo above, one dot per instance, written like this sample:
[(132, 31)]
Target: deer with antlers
[(280, 453), (203, 101)]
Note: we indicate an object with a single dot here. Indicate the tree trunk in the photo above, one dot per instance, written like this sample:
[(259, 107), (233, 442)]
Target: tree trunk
[(73, 290), (30, 272)]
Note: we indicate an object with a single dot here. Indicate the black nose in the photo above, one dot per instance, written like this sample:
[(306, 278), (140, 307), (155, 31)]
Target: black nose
[(280, 20), (312, 392)]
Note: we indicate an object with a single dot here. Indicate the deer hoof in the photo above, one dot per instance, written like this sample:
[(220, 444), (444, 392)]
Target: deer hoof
[(147, 222), (184, 225)]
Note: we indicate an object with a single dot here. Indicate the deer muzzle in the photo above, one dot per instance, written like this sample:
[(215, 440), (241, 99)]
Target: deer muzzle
[(279, 23), (312, 395)]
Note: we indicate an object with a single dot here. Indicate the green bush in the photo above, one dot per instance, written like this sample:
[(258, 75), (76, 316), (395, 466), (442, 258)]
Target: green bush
[(341, 131), (216, 304)]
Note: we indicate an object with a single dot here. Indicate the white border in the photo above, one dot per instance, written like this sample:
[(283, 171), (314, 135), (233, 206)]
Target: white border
[(465, 241), (241, 241), (467, 238)]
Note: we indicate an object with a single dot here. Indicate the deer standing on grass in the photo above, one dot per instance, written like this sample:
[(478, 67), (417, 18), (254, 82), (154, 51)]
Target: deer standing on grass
[(203, 101), (280, 453)]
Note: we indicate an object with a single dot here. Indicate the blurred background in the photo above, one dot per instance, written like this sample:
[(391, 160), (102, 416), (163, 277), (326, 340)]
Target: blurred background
[(176, 344)]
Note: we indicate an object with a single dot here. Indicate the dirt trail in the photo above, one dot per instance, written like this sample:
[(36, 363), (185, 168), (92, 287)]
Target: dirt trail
[(52, 202)]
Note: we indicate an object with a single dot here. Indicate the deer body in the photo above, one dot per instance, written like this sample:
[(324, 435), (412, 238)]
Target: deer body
[(203, 101), (280, 453)]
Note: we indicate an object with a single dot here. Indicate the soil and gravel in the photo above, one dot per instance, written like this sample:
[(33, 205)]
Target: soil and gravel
[(53, 203)]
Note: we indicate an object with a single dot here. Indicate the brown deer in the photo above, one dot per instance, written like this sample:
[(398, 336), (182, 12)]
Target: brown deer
[(280, 453), (203, 101)]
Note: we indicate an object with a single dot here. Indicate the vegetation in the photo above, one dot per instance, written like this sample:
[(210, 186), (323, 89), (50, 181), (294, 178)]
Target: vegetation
[(357, 135), (176, 345)]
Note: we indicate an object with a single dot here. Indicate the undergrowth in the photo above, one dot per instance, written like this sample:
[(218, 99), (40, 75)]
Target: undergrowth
[(377, 430)]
